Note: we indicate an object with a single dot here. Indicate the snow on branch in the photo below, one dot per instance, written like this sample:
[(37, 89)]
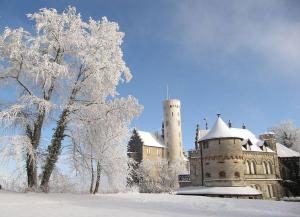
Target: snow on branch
[(15, 147)]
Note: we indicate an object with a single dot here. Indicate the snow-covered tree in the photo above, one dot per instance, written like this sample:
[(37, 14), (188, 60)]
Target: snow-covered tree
[(287, 134), (102, 149), (67, 68), (158, 176)]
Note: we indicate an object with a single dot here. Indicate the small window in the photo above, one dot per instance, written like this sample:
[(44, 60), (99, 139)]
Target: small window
[(237, 175), (222, 174), (158, 152), (269, 168), (178, 123), (252, 167), (205, 144), (172, 114), (270, 191), (195, 170), (207, 175), (167, 123)]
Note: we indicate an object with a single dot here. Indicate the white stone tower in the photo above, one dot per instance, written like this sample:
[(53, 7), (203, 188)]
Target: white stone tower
[(172, 130)]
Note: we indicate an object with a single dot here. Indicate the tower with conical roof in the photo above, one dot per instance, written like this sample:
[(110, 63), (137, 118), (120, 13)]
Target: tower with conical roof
[(222, 156), (172, 130)]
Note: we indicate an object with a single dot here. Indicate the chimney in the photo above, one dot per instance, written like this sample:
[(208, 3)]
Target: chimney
[(163, 130), (244, 126), (229, 124), (197, 137)]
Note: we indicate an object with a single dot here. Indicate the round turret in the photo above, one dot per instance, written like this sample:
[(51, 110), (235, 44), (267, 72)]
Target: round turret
[(172, 130), (222, 157)]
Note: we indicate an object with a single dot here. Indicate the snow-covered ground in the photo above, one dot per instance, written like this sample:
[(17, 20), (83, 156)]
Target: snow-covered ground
[(140, 205)]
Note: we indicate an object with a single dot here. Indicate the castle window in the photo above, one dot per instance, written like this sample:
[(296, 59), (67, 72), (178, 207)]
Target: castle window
[(207, 175), (248, 167), (167, 123), (252, 167), (267, 166), (148, 151), (219, 141), (222, 174), (195, 171), (237, 175), (205, 144), (270, 191), (172, 114)]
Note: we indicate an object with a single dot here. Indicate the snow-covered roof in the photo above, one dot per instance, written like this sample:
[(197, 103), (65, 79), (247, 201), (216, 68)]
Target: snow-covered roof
[(283, 151), (202, 190), (151, 139), (221, 130)]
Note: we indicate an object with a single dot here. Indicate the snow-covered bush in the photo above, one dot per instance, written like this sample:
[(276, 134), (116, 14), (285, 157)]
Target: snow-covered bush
[(158, 176)]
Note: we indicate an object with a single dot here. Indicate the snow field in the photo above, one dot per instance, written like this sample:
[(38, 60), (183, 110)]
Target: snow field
[(135, 204)]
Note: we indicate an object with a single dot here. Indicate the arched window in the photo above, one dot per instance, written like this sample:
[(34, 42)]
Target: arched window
[(236, 175), (265, 167), (269, 168), (257, 187), (207, 175), (252, 167), (222, 174), (248, 167)]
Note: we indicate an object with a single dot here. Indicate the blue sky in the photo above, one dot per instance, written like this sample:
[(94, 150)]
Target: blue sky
[(237, 58)]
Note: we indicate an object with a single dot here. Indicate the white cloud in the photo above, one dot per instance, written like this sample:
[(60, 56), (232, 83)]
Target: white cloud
[(269, 29)]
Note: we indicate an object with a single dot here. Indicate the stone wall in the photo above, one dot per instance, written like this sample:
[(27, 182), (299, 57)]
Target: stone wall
[(226, 164), (223, 162)]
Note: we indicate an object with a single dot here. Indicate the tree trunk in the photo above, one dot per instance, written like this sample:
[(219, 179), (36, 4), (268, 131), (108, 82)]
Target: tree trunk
[(35, 136), (92, 178), (54, 150), (98, 178), (31, 170)]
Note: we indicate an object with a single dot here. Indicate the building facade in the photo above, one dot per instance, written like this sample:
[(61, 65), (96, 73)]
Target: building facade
[(234, 157)]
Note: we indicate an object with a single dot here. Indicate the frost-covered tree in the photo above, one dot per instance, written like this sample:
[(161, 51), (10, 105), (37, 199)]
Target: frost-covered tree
[(158, 176), (102, 149), (287, 134), (67, 68)]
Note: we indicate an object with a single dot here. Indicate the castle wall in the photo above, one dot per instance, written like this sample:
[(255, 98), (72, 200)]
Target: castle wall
[(153, 153), (268, 184), (241, 168), (223, 162)]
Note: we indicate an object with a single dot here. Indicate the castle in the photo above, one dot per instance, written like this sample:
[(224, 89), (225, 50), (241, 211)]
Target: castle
[(226, 161), (165, 145)]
